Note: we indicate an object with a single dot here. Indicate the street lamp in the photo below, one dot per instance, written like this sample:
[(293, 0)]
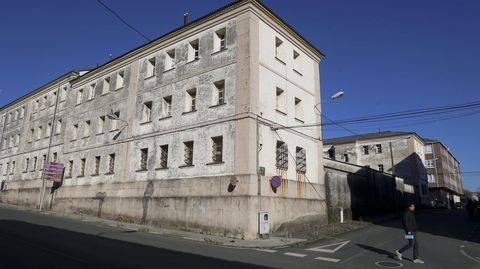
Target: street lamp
[(112, 116), (334, 96)]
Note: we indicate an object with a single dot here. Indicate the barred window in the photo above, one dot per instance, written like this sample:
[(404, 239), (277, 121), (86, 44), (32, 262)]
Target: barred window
[(111, 163), (143, 159), (301, 160), (70, 168), (188, 153), (163, 156), (217, 148), (82, 168), (282, 155), (97, 165)]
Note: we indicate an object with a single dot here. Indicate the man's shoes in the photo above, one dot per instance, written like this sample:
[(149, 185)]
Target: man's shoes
[(399, 255), (418, 261)]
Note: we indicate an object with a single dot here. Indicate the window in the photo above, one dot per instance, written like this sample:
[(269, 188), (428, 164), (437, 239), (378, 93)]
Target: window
[(296, 61), (82, 168), (219, 40), (151, 68), (44, 161), (25, 168), (10, 144), (111, 163), (17, 139), (115, 122), (365, 150), (75, 132), (49, 130), (101, 124), (164, 156), (63, 93), (298, 109), (97, 166), (190, 101), (120, 80), (44, 102), (147, 112), (217, 149), (106, 86), (54, 98), (13, 168), (280, 104), (170, 59), (218, 96), (22, 112), (143, 159), (6, 169), (281, 160), (345, 158), (331, 153), (188, 153), (58, 127), (430, 163), (35, 107), (91, 91), (32, 134), (431, 178), (9, 117), (380, 167), (86, 130), (79, 96), (378, 148), (167, 107), (34, 167), (279, 49), (15, 115), (301, 160), (39, 133), (193, 50), (4, 144), (428, 149), (55, 156), (69, 169)]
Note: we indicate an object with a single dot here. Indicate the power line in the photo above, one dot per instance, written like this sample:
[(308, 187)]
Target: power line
[(123, 21)]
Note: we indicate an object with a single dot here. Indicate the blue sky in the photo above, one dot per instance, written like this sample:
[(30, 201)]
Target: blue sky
[(387, 56)]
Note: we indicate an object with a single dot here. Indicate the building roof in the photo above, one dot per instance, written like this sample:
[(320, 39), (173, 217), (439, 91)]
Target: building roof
[(199, 21), (369, 136)]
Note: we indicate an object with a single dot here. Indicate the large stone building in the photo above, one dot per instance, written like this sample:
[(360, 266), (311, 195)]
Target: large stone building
[(443, 173), (195, 109), (397, 153)]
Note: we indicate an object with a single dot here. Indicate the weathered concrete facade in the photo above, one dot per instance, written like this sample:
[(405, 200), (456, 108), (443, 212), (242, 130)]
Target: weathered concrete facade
[(195, 110), (398, 153)]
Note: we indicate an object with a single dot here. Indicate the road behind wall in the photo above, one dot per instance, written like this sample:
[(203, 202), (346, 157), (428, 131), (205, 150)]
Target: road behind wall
[(362, 192)]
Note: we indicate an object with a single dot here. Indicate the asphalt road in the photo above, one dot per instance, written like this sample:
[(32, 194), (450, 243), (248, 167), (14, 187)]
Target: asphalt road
[(30, 240)]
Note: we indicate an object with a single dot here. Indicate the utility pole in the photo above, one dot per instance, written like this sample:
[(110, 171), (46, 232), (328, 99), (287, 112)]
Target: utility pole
[(44, 183)]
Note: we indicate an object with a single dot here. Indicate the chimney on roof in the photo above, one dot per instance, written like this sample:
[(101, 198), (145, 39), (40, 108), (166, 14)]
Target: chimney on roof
[(185, 18)]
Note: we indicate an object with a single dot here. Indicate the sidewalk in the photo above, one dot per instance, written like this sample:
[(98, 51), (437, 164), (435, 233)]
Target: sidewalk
[(271, 242)]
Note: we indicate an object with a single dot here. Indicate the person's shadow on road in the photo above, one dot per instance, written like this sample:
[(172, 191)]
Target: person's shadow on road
[(389, 254)]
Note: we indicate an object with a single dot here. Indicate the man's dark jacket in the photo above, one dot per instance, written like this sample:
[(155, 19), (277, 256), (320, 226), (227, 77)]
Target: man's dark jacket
[(409, 223)]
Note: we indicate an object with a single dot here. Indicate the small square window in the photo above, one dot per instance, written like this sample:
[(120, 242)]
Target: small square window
[(365, 150)]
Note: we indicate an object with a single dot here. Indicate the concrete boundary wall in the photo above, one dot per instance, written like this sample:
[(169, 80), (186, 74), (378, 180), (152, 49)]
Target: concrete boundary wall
[(362, 192)]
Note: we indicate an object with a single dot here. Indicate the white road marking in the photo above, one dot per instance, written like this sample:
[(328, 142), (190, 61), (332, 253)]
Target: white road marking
[(327, 259), (468, 256), (327, 250), (266, 250), (294, 254)]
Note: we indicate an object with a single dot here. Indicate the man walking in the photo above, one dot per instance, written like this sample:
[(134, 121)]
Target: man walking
[(410, 225)]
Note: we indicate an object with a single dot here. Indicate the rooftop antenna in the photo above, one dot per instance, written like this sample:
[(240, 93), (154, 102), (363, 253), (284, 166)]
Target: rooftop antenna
[(185, 18)]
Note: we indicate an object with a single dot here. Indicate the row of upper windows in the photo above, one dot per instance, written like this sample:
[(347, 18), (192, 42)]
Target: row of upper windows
[(90, 90), (281, 54), (280, 105), (13, 116), (12, 141), (193, 53), (190, 105)]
